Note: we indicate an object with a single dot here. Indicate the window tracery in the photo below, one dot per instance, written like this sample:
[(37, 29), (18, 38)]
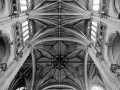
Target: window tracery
[(94, 5), (25, 5), (21, 6), (26, 30), (93, 31)]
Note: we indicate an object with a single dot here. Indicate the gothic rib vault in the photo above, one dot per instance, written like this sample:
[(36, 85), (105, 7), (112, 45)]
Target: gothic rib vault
[(60, 54), (57, 61)]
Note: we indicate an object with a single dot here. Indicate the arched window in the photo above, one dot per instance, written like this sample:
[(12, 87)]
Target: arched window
[(26, 30), (25, 5)]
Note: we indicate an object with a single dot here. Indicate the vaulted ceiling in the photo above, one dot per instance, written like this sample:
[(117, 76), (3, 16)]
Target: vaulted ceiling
[(59, 58)]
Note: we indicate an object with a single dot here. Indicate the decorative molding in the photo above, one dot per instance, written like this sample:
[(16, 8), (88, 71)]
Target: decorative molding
[(18, 56), (3, 66), (115, 68)]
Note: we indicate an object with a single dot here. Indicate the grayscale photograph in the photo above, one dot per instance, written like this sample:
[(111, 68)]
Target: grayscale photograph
[(59, 44)]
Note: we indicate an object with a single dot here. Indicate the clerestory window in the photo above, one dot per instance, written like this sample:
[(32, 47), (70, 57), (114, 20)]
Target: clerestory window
[(93, 31), (25, 5), (26, 30), (96, 5)]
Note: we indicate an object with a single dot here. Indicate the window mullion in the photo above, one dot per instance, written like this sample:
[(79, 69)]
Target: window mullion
[(94, 28), (26, 38), (26, 33), (93, 38), (93, 33)]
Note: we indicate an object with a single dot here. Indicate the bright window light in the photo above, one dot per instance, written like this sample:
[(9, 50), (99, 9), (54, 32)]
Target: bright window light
[(94, 23), (25, 38), (94, 28), (23, 8), (93, 38), (25, 33), (24, 5), (23, 2), (21, 88), (25, 28), (96, 1), (93, 33), (24, 23), (96, 88), (96, 7)]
